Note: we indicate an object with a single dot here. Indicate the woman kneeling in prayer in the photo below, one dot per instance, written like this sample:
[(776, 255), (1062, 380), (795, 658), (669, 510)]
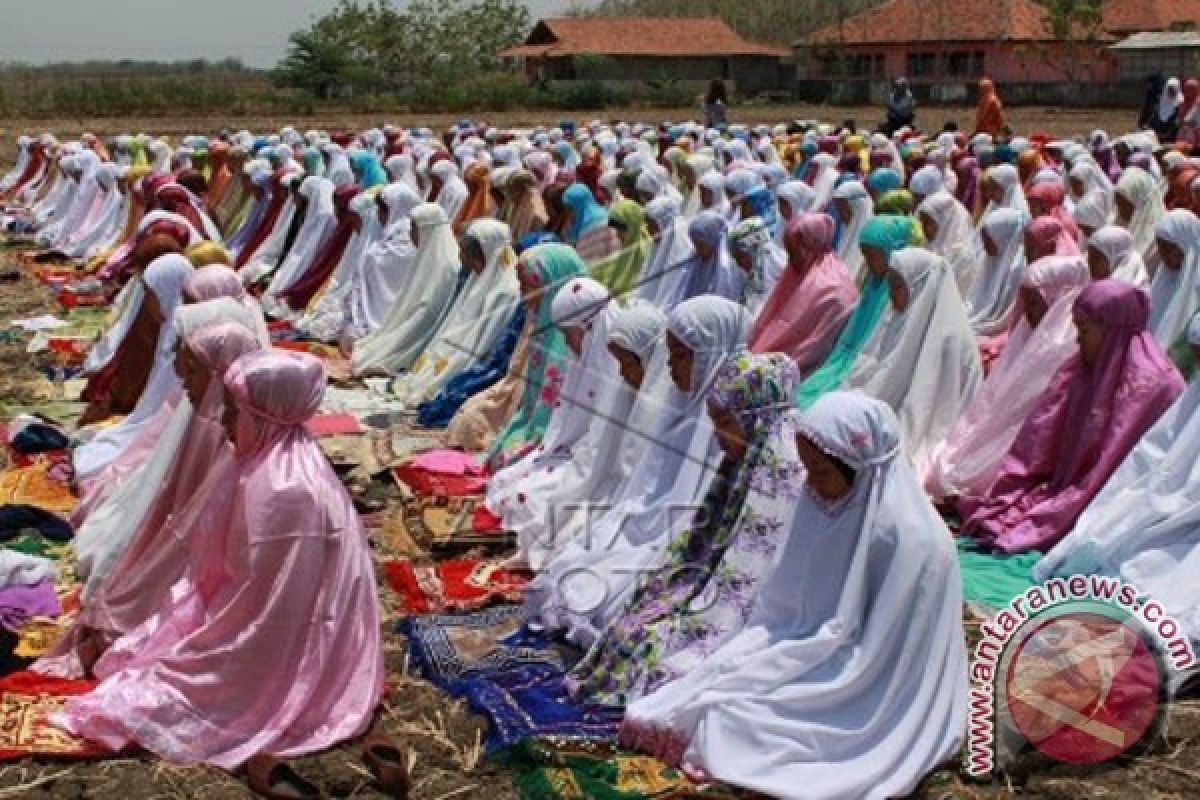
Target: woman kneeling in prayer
[(850, 676), (271, 643), (1142, 525), (1096, 408), (700, 591)]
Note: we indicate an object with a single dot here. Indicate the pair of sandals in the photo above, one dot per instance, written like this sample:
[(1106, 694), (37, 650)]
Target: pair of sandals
[(274, 779)]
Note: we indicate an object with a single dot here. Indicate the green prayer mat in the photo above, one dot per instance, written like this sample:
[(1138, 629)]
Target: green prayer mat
[(544, 772), (994, 579)]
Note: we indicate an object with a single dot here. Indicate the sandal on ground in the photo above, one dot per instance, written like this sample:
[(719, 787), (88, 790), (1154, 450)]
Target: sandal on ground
[(388, 764), (275, 780)]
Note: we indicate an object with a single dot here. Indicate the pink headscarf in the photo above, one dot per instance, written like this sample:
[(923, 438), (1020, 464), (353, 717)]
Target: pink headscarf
[(1081, 428), (219, 280), (812, 300), (284, 656), (1052, 196), (159, 551), (1052, 238)]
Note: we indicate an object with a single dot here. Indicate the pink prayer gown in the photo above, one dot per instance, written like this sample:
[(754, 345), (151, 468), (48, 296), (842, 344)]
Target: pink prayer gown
[(1084, 425), (812, 300), (282, 655)]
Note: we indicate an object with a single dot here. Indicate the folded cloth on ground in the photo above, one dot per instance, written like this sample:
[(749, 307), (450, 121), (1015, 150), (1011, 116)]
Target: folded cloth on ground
[(443, 473), (16, 518), (36, 486), (19, 604), (23, 569), (38, 437)]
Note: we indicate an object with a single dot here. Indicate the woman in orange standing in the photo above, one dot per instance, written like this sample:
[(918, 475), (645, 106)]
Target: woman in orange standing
[(989, 116)]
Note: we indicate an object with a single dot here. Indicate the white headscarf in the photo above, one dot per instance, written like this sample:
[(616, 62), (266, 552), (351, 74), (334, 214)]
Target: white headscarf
[(957, 241), (991, 299), (1008, 179), (328, 320), (1141, 190), (834, 619), (928, 181), (672, 474), (320, 220), (388, 262), (1124, 262), (454, 192), (1173, 298), (107, 218), (823, 182), (660, 278), (862, 209), (592, 404), (923, 361), (414, 319), (1142, 526), (966, 462), (164, 277), (700, 165), (475, 322)]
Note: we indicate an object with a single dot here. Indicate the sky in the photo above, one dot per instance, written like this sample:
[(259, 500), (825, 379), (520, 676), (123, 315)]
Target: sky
[(256, 31)]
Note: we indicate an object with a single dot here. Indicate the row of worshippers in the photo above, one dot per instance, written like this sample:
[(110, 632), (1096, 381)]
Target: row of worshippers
[(759, 290)]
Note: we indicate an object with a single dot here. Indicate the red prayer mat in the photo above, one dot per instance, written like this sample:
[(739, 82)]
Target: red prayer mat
[(333, 425), (428, 483), (26, 702), (453, 586)]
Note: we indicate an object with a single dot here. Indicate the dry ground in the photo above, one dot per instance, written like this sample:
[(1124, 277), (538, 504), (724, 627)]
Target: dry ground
[(1060, 122)]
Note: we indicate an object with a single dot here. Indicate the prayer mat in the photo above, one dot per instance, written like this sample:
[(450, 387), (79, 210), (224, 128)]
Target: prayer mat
[(454, 585), (333, 425), (27, 701), (532, 702), (448, 648), (509, 674), (994, 579), (545, 772), (35, 486), (455, 523)]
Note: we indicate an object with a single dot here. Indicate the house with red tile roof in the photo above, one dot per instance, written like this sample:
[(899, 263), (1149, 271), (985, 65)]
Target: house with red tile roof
[(945, 46), (649, 49)]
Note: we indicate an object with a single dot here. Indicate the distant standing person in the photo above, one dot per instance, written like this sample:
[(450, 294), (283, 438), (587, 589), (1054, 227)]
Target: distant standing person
[(989, 115), (901, 107), (1163, 116), (715, 105)]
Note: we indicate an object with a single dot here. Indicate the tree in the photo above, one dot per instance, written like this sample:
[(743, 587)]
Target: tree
[(1077, 28), (376, 45)]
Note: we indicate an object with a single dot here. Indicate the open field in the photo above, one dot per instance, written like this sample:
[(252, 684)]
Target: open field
[(1056, 121)]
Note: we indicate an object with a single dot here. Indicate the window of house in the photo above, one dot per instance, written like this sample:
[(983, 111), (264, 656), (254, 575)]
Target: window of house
[(921, 64), (977, 63), (864, 65)]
